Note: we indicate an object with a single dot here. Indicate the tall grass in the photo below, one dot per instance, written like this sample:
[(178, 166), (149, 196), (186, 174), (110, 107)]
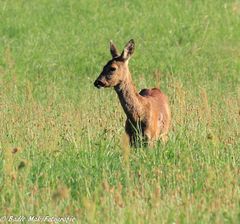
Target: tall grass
[(62, 145)]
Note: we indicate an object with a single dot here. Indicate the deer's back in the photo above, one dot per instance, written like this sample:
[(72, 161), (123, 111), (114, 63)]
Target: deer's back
[(155, 96)]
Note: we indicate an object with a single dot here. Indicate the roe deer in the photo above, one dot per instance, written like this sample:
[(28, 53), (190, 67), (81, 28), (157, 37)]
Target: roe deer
[(148, 112)]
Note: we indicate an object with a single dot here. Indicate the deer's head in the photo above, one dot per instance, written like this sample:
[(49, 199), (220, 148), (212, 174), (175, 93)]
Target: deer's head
[(114, 72)]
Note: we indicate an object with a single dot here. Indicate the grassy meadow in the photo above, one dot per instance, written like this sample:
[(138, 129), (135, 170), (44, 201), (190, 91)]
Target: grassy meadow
[(63, 151)]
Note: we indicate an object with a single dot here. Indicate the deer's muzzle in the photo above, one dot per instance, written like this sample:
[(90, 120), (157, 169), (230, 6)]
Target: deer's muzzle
[(99, 84)]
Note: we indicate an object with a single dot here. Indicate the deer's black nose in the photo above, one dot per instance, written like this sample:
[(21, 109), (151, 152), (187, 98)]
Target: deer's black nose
[(99, 84)]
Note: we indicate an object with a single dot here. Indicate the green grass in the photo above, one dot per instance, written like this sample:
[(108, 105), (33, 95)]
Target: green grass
[(72, 159)]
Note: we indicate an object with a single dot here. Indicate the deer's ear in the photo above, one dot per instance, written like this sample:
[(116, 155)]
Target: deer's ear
[(128, 50), (113, 50)]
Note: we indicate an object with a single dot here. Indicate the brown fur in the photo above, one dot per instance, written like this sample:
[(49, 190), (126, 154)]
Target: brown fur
[(148, 113)]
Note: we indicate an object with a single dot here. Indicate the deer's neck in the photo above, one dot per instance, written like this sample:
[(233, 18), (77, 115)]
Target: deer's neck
[(130, 99)]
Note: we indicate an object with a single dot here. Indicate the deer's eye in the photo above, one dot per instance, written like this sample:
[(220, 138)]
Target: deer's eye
[(112, 69)]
